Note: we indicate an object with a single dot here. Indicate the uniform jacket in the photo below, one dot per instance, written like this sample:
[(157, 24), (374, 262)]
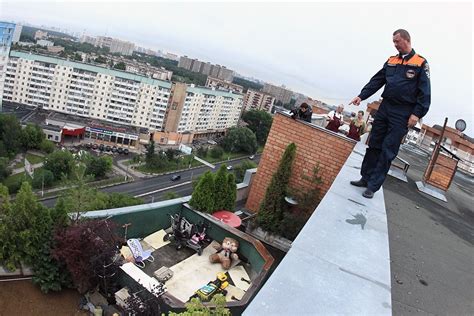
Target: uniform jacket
[(406, 80)]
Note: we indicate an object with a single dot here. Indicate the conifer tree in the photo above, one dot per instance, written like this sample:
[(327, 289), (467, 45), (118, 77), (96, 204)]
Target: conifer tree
[(220, 191), (203, 195), (273, 205), (231, 192)]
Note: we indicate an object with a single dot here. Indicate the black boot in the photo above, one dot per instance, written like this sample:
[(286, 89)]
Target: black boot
[(360, 183)]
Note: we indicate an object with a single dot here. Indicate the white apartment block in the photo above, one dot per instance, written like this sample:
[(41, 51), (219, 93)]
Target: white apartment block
[(206, 109), (86, 90), (116, 96), (257, 100), (121, 47), (281, 94)]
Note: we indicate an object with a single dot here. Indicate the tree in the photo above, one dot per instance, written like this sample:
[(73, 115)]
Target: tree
[(31, 136), (42, 178), (196, 308), (150, 151), (10, 130), (60, 163), (216, 152), (116, 200), (77, 57), (202, 151), (79, 246), (231, 192), (100, 60), (273, 205), (203, 196), (98, 166), (260, 123), (26, 231), (47, 146), (171, 154), (220, 191), (4, 170), (240, 139), (239, 170), (121, 65)]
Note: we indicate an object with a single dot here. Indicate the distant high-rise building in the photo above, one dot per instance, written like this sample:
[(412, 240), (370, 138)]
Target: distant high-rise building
[(206, 68), (103, 41), (281, 94), (6, 36), (17, 33), (121, 47), (258, 100), (197, 66), (185, 62), (88, 39)]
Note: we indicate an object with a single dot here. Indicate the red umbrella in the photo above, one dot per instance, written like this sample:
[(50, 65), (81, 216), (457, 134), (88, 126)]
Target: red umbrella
[(228, 218)]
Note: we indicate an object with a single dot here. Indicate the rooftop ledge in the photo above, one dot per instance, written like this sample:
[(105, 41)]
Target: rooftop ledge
[(340, 261)]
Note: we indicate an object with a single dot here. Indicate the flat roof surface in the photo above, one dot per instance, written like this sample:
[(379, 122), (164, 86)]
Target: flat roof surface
[(431, 243)]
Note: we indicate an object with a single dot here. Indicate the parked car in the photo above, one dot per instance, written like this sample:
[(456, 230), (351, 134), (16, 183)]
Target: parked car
[(120, 150), (108, 148), (176, 177), (114, 149), (230, 167), (252, 157), (95, 146), (101, 147), (126, 151), (89, 145)]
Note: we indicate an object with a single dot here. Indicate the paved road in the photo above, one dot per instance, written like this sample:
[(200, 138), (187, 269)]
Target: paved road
[(431, 245), (142, 186)]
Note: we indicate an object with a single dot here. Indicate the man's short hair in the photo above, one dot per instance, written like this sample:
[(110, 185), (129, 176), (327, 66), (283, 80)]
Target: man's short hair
[(403, 34), (362, 112), (304, 105)]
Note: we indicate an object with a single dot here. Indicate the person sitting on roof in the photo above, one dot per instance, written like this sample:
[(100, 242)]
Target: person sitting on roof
[(304, 112)]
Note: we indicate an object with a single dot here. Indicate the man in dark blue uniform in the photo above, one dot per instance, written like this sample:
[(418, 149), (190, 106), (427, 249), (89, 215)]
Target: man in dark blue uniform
[(406, 99)]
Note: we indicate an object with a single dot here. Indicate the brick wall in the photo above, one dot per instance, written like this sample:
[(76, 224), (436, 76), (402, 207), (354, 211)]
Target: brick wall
[(313, 145)]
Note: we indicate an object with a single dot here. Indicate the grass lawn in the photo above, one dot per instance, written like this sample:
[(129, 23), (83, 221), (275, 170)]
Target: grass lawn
[(34, 159)]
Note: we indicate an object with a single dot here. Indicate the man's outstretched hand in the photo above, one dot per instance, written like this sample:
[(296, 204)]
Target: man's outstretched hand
[(356, 101), (412, 121)]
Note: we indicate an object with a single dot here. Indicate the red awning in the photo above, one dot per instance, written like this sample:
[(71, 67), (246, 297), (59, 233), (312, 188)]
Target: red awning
[(74, 132), (228, 218)]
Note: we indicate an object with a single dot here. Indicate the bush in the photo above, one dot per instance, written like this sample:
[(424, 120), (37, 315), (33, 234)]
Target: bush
[(47, 146), (216, 152), (60, 163), (4, 170)]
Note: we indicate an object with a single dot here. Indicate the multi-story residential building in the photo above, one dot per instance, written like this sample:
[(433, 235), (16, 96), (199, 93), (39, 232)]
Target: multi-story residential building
[(185, 62), (118, 97), (17, 33), (171, 56), (103, 41), (86, 90), (216, 71), (122, 47), (41, 35), (281, 94), (199, 112), (257, 100), (88, 39), (6, 36), (219, 84)]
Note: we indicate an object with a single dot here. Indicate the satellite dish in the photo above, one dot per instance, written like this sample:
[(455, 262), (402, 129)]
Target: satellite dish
[(460, 125)]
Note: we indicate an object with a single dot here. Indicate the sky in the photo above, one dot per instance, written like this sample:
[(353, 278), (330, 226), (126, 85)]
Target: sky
[(327, 51)]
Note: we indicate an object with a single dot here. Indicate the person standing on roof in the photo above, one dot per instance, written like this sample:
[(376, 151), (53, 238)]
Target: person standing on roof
[(335, 119), (406, 99)]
